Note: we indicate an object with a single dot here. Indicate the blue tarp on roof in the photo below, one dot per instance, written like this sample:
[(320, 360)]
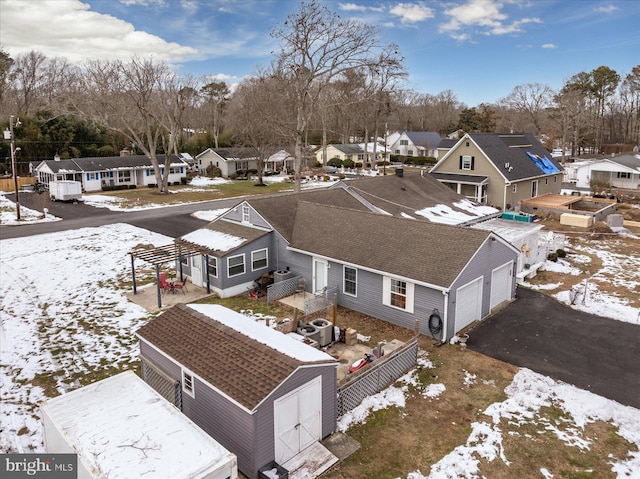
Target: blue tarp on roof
[(544, 164)]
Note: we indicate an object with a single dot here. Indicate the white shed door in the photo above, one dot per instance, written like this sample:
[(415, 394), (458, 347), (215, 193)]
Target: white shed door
[(468, 304), (297, 420), (501, 284)]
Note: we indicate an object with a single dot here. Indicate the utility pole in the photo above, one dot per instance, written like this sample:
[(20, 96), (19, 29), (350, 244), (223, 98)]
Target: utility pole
[(13, 163)]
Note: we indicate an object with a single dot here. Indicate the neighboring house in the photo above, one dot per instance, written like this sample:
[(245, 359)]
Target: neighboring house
[(260, 393), (621, 171), (499, 170), (444, 146), (326, 237), (350, 151), (416, 196), (229, 160), (353, 152), (121, 427), (280, 162), (94, 173), (413, 143)]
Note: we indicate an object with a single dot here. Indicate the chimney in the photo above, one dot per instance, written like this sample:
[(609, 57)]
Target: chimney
[(56, 157), (399, 172), (125, 152)]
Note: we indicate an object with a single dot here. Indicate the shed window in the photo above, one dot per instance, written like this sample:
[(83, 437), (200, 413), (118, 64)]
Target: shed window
[(246, 214), (235, 265), (259, 259), (350, 281), (188, 383)]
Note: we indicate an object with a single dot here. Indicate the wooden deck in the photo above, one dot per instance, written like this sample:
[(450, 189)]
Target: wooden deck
[(296, 300), (552, 201)]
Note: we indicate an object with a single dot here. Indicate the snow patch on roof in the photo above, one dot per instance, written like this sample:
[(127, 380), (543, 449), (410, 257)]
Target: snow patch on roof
[(447, 215), (262, 334), (214, 240), (118, 437)]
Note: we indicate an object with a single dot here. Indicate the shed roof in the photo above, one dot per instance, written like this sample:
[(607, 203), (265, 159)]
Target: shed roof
[(221, 237), (235, 363)]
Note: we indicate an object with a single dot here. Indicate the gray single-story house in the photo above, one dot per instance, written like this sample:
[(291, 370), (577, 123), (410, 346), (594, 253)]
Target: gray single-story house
[(229, 160), (261, 394), (96, 172), (393, 268)]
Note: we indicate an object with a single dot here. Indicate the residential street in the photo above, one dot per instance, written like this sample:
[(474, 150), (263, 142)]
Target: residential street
[(594, 353), (171, 221)]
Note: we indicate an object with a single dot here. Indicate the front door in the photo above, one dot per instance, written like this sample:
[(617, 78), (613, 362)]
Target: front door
[(297, 420), (320, 267), (196, 270)]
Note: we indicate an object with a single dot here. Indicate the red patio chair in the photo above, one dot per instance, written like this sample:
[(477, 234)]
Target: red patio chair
[(164, 286), (163, 277), (182, 286)]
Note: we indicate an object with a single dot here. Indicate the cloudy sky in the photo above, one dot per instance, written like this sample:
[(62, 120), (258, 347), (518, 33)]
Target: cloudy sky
[(480, 49)]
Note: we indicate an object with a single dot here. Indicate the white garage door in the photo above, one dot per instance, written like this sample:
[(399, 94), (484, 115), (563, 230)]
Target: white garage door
[(468, 304), (501, 284), (297, 420)]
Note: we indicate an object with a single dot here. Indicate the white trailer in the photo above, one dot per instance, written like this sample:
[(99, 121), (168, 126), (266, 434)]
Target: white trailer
[(122, 429), (65, 190)]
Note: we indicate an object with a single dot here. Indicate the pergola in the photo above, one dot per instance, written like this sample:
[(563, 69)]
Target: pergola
[(158, 255)]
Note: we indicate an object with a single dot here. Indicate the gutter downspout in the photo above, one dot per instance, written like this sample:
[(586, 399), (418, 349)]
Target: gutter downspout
[(504, 198), (445, 314)]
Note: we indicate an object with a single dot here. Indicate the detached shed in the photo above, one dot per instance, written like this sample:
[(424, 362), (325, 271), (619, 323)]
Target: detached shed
[(261, 394), (122, 429)]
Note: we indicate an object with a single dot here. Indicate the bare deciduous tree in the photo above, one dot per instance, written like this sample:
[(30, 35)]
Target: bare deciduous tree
[(318, 46), (142, 100), (531, 99)]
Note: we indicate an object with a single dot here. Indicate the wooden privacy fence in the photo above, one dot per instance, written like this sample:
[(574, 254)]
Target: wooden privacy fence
[(377, 376), (6, 184)]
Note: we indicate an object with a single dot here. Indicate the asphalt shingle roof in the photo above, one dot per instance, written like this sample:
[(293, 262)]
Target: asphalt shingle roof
[(107, 163), (429, 139), (498, 149), (242, 368), (432, 253)]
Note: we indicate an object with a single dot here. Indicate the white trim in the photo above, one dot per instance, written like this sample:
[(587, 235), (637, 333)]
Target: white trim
[(266, 258), (244, 265), (314, 271), (184, 373), (371, 270), (344, 282), (409, 294)]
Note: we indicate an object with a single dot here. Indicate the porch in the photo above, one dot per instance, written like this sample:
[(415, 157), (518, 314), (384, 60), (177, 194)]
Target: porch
[(147, 296)]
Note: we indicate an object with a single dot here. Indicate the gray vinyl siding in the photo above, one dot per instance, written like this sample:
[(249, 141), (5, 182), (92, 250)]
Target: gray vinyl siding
[(491, 255), (223, 268), (254, 218), (264, 416), (369, 300), (227, 423)]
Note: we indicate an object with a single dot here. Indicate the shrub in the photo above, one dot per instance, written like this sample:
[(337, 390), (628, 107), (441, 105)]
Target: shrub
[(337, 162), (152, 185), (132, 187), (358, 164), (213, 171), (396, 158), (368, 165), (183, 180), (348, 163), (341, 176), (553, 257), (561, 253), (382, 163)]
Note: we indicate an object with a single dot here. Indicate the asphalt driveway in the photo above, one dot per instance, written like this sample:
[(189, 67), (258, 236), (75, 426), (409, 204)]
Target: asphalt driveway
[(597, 354)]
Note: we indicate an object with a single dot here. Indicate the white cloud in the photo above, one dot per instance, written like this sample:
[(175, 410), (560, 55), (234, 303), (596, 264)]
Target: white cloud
[(412, 12), (607, 9), (144, 3), (70, 29), (550, 46), (486, 15), (351, 7)]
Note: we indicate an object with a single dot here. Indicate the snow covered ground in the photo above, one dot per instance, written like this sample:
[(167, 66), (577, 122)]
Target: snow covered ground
[(65, 318)]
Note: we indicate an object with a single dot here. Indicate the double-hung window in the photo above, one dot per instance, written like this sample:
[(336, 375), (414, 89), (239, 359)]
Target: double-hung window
[(259, 259), (466, 162), (398, 296), (235, 265), (213, 267), (398, 293), (350, 281)]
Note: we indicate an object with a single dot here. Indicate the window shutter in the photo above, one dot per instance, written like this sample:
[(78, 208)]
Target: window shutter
[(88, 177), (473, 159), (460, 167), (181, 169), (111, 174)]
